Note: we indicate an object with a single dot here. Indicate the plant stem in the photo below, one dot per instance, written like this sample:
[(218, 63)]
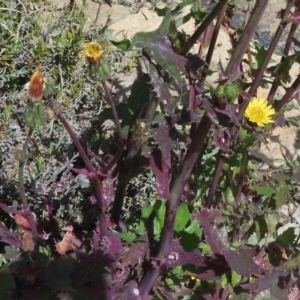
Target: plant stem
[(200, 30), (97, 181), (127, 165), (243, 43), (73, 137), (286, 51), (242, 172), (213, 41), (216, 177), (22, 157), (292, 90), (115, 159), (267, 58), (177, 184), (113, 108), (212, 45), (232, 68)]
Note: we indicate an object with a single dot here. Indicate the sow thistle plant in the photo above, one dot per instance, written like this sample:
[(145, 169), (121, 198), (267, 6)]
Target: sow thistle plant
[(195, 146)]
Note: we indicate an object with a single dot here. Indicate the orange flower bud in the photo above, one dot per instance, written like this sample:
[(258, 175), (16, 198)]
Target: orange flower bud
[(36, 86)]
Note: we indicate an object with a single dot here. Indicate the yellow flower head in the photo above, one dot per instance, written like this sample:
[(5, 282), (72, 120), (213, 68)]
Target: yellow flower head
[(92, 52), (36, 86), (259, 111)]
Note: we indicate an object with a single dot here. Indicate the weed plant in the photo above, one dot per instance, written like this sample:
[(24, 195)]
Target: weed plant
[(166, 195)]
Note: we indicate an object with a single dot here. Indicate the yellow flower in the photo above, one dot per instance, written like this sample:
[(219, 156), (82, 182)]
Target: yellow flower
[(92, 52), (259, 111), (36, 86)]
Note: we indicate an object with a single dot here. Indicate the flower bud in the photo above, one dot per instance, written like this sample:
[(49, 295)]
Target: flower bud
[(92, 52), (36, 86)]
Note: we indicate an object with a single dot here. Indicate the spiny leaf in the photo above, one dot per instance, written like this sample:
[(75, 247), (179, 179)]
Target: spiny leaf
[(263, 190), (158, 46)]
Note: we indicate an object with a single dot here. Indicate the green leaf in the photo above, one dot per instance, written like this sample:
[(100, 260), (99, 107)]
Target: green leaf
[(160, 209), (163, 11), (159, 117), (123, 44), (261, 228), (260, 55), (224, 280), (282, 195), (235, 278), (229, 196), (271, 221), (146, 212), (128, 236), (287, 238), (182, 217), (263, 190), (205, 248), (292, 263), (157, 45), (190, 237), (282, 70)]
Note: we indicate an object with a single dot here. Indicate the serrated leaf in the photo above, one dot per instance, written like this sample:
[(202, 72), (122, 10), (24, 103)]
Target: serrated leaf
[(163, 11), (271, 221), (263, 190), (205, 248), (128, 236), (216, 236), (282, 195), (252, 240), (259, 56), (182, 217), (241, 261), (286, 238), (121, 44), (158, 46)]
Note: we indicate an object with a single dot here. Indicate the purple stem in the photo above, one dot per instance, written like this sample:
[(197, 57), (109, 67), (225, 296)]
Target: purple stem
[(22, 159), (267, 58), (216, 177), (290, 93), (202, 27), (195, 149), (97, 181), (185, 170), (286, 51), (243, 44), (114, 111)]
